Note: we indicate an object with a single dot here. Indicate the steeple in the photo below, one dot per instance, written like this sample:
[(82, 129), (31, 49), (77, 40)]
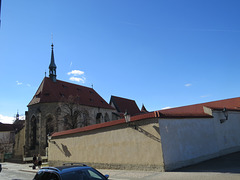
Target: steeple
[(52, 68)]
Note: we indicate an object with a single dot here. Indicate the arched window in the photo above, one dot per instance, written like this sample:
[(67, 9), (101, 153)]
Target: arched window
[(86, 118), (59, 111), (49, 127), (106, 117), (98, 118), (33, 132)]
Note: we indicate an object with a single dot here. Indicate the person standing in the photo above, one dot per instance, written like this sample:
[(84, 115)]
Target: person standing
[(39, 161), (34, 161)]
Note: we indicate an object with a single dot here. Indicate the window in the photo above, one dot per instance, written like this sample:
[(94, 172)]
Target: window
[(46, 176), (106, 117), (98, 118)]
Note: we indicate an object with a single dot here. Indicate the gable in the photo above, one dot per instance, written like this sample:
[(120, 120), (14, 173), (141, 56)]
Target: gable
[(122, 105)]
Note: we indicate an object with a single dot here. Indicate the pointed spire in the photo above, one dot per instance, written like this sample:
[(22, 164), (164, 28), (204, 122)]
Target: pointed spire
[(17, 115), (52, 68)]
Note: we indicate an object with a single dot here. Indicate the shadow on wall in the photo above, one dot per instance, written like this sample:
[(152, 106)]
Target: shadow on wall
[(63, 149), (66, 151), (146, 133)]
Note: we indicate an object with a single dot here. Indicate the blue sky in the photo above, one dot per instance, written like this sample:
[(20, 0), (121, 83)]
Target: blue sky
[(159, 53)]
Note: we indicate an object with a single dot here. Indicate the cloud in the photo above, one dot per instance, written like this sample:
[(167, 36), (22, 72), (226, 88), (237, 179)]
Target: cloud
[(71, 64), (188, 85), (6, 119), (19, 83), (78, 79), (28, 85), (166, 108), (76, 73)]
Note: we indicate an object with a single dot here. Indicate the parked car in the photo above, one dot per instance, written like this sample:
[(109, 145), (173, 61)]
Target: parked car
[(70, 171), (0, 167)]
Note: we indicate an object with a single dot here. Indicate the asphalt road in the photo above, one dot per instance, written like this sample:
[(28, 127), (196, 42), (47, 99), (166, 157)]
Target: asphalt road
[(222, 168)]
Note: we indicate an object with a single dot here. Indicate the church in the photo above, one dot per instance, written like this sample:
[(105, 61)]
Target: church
[(58, 105)]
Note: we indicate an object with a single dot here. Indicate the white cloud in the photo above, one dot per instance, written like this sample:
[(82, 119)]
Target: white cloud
[(71, 64), (76, 73), (6, 119), (19, 83), (78, 79), (28, 85), (166, 108), (187, 85)]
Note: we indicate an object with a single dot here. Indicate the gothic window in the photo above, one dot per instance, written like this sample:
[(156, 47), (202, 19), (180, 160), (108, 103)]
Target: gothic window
[(98, 118), (49, 127), (59, 111), (86, 118), (106, 117), (33, 132)]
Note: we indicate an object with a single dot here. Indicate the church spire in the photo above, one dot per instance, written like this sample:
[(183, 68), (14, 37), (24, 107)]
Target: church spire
[(52, 68)]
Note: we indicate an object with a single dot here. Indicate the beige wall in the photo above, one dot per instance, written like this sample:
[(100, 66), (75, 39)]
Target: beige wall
[(19, 143), (117, 147)]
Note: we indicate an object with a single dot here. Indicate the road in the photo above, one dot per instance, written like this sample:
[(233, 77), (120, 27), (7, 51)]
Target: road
[(226, 167)]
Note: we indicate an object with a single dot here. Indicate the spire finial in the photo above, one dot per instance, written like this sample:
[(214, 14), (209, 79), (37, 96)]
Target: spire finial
[(52, 67)]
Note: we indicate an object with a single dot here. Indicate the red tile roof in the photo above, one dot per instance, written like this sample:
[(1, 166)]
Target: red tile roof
[(122, 105), (7, 127), (191, 111), (197, 110), (60, 91), (144, 110)]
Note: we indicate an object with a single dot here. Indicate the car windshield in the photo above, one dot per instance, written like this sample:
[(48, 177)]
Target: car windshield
[(41, 175), (84, 174)]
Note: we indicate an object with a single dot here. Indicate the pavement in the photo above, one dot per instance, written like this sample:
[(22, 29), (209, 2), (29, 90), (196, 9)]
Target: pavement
[(225, 167)]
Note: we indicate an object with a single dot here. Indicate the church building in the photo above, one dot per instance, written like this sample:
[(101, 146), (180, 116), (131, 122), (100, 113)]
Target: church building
[(58, 105)]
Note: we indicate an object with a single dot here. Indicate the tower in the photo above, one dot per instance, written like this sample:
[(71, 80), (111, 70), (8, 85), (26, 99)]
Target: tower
[(52, 68)]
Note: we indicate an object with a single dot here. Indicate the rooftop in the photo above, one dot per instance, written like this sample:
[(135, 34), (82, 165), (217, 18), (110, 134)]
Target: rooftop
[(61, 91)]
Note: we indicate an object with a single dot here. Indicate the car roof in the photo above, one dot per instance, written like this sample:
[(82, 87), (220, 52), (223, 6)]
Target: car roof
[(64, 169)]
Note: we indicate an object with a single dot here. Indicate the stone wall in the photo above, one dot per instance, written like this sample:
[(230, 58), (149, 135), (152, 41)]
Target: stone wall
[(46, 118), (124, 146)]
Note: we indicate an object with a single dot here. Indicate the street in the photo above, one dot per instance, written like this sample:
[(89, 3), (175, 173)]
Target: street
[(222, 168)]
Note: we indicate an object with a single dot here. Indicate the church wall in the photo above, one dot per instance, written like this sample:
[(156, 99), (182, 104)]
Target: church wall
[(117, 147), (42, 112)]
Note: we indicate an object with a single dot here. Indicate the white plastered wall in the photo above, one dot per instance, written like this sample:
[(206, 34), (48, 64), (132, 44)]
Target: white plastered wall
[(188, 141)]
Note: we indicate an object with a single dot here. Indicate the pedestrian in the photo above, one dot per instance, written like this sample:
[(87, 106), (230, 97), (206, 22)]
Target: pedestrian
[(34, 161), (39, 161)]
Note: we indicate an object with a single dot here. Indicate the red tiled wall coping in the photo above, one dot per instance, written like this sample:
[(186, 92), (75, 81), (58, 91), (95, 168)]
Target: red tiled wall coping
[(102, 125)]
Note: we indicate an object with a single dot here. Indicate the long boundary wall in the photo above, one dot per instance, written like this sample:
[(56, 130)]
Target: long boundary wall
[(125, 146)]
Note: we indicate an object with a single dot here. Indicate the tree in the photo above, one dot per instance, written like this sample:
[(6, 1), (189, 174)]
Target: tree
[(73, 115), (6, 143)]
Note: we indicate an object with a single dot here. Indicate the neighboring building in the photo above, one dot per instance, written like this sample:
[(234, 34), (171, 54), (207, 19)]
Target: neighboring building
[(124, 106), (12, 138), (163, 140), (58, 106), (19, 142), (6, 138)]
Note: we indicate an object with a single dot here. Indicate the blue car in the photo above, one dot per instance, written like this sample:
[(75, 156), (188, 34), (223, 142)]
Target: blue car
[(71, 171)]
